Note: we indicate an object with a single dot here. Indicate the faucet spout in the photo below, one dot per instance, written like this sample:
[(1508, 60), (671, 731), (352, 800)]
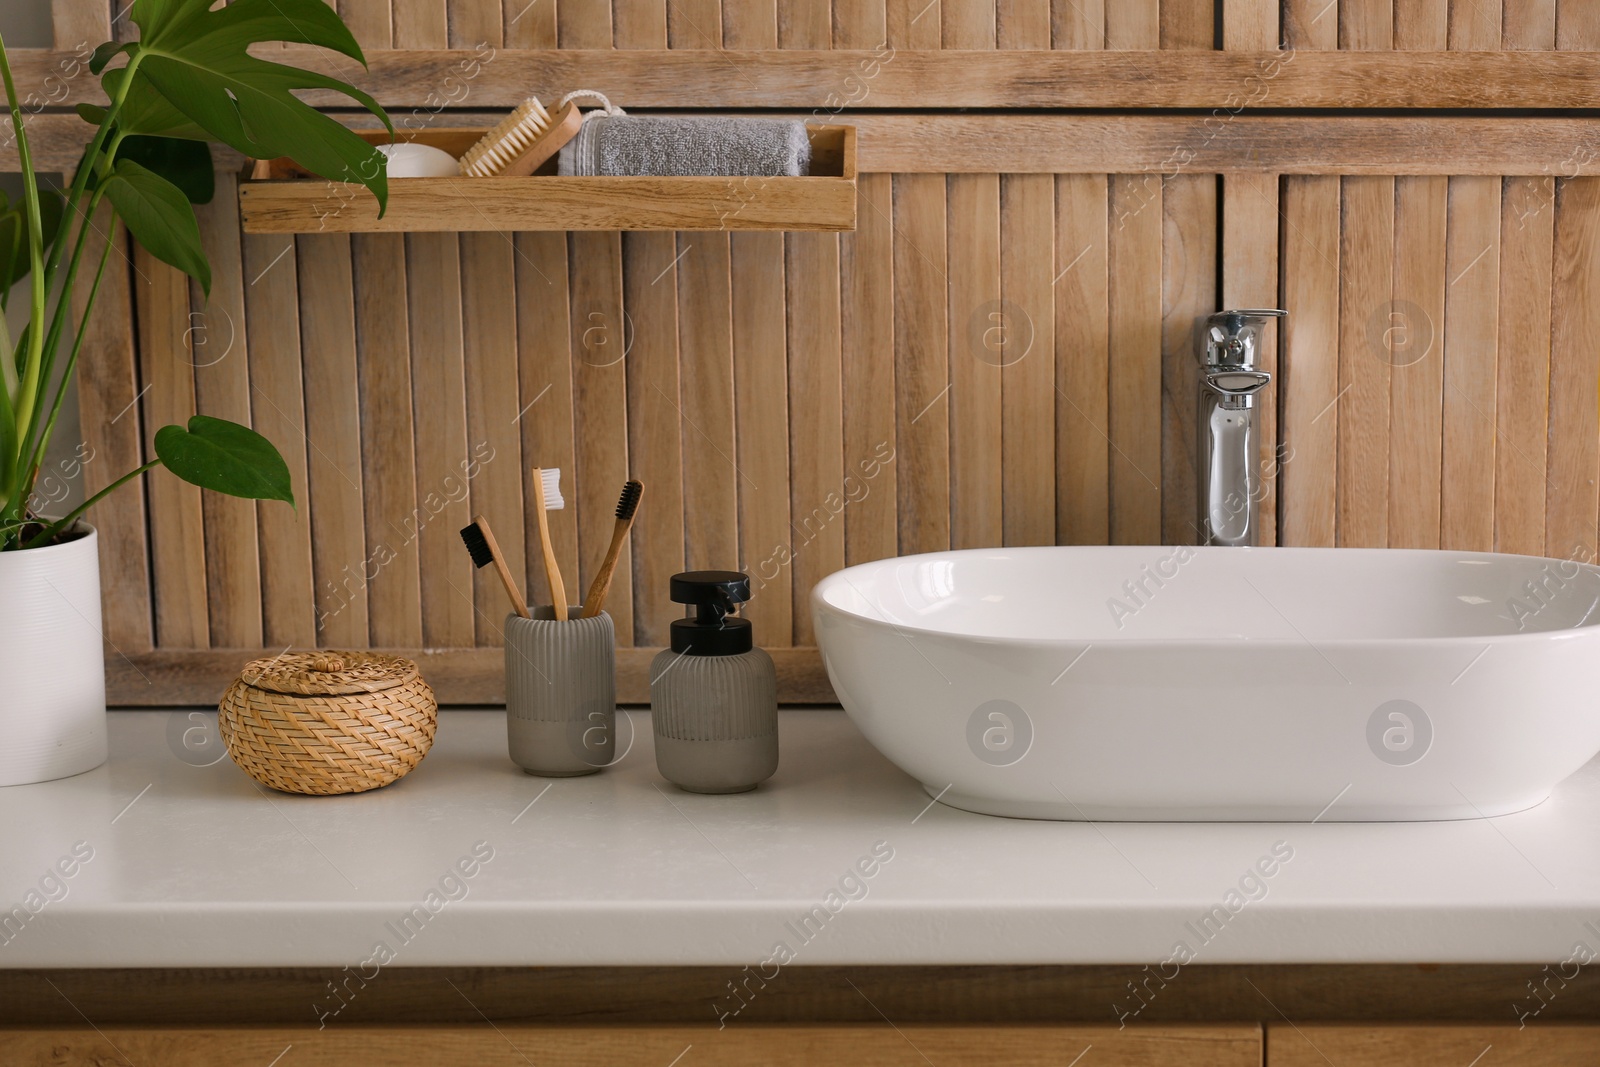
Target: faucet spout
[(1229, 475)]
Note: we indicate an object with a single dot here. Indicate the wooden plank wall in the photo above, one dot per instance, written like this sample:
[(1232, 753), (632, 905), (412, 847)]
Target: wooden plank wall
[(1454, 401), (991, 358)]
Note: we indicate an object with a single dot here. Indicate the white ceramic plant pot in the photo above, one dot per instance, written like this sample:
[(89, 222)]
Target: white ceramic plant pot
[(53, 714)]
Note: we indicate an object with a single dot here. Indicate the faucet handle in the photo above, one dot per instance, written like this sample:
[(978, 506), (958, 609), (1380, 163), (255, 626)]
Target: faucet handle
[(1235, 383), (1231, 336)]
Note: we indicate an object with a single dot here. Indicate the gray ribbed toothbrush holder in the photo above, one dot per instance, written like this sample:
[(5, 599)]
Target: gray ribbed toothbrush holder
[(561, 696)]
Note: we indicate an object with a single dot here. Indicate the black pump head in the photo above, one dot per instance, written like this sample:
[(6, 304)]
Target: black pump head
[(715, 630)]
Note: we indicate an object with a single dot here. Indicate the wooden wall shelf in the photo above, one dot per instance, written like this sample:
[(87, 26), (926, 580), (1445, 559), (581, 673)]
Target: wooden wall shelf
[(275, 196)]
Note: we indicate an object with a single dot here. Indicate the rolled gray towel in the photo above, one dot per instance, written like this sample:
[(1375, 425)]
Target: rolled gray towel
[(619, 145)]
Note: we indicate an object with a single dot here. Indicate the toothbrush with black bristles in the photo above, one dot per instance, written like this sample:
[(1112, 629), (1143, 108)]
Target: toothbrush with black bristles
[(484, 550), (626, 506)]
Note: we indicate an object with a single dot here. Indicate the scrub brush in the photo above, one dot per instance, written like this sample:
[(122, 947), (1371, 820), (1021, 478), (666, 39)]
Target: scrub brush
[(547, 497), (602, 580), (521, 141)]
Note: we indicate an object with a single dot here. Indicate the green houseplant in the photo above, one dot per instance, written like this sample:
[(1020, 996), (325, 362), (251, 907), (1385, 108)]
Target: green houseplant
[(188, 80)]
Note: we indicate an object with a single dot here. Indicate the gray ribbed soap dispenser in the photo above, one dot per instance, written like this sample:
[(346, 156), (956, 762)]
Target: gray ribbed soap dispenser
[(713, 694)]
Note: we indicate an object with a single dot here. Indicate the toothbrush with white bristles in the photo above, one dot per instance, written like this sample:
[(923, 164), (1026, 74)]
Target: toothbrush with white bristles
[(547, 497)]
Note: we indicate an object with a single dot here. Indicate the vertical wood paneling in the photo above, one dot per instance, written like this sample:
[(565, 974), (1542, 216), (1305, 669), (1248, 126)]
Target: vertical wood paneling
[(529, 23), (477, 22), (640, 24), (1082, 333), (439, 409), (750, 23), (421, 23), (1078, 23), (388, 479), (109, 416), (1416, 383), (1523, 393), (693, 23), (977, 321), (705, 418), (219, 351), (1313, 24), (489, 347), (987, 359), (545, 408), (1577, 25), (1422, 24), (1133, 24), (1471, 333), (1366, 261), (816, 422), (859, 24), (1251, 25), (1028, 350), (1309, 384), (1023, 23), (650, 293), (971, 23), (368, 20), (1189, 282), (977, 328), (1134, 319), (1250, 280), (1366, 25), (1528, 24), (1474, 25), (1417, 377), (177, 529), (278, 412), (866, 286), (767, 536), (1576, 332), (1188, 24), (1135, 372), (922, 381), (76, 24), (333, 439), (913, 24), (1574, 434), (1471, 327), (583, 23), (601, 334), (805, 24), (1081, 311), (1028, 371)]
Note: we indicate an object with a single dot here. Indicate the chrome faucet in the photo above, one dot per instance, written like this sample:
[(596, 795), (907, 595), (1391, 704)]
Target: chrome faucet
[(1229, 474)]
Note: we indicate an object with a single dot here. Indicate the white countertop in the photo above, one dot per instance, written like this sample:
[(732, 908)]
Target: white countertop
[(196, 866)]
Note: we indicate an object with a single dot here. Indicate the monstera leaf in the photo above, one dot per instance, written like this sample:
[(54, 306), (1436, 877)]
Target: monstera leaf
[(192, 78), (158, 215), (226, 457)]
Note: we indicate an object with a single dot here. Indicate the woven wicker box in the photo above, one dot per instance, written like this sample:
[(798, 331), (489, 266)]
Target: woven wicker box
[(328, 722)]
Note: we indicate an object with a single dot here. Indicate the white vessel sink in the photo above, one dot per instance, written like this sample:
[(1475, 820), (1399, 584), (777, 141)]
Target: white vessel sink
[(1221, 683)]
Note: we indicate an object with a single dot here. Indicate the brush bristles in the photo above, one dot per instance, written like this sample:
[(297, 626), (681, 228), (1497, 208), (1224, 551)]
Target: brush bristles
[(629, 500), (551, 479), (477, 545), (510, 137)]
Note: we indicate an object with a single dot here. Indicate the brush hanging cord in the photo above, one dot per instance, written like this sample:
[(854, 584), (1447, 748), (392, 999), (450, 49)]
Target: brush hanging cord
[(606, 107)]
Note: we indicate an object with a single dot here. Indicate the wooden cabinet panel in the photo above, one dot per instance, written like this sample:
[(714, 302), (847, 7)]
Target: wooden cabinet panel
[(694, 1046), (1535, 1045)]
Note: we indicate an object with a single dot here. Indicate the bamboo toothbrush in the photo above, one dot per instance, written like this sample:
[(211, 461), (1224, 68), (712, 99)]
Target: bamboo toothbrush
[(484, 549), (602, 580), (547, 497)]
